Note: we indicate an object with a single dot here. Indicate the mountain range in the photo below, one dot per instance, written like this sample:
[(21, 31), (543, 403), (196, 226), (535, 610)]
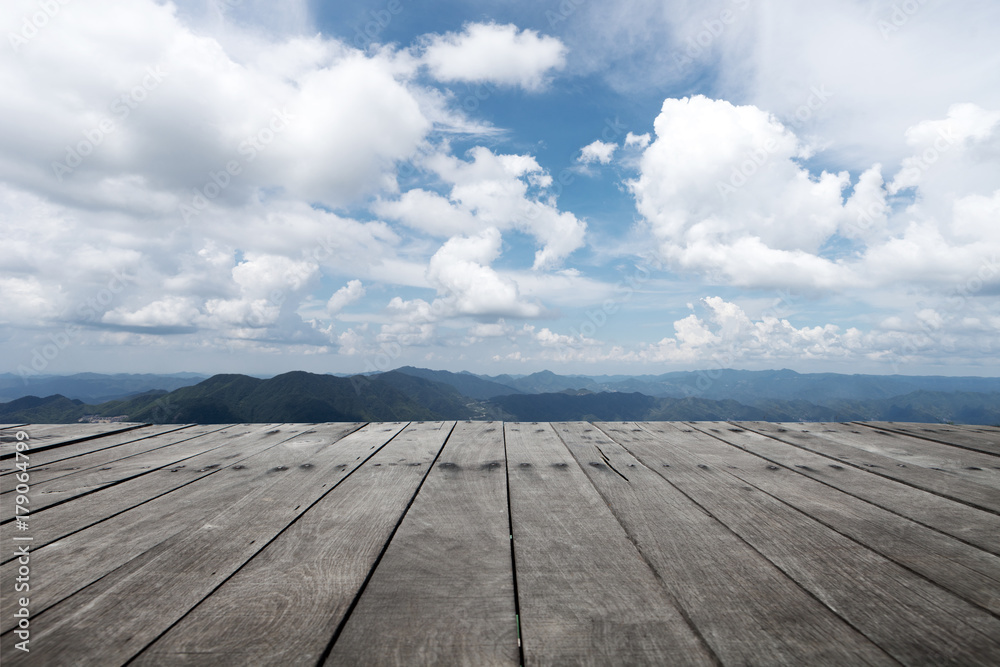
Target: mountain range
[(410, 393), (92, 387)]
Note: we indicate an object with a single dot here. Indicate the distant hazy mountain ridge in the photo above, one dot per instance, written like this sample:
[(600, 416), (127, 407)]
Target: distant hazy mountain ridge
[(421, 394), (92, 387)]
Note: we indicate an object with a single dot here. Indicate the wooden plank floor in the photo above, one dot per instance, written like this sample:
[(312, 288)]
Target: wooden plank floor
[(488, 543)]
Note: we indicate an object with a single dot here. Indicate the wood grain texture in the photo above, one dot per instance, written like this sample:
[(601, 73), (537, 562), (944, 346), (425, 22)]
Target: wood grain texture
[(935, 481), (47, 436), (58, 521), (970, 572), (587, 596), (61, 485), (910, 451), (114, 618), (81, 558), (443, 593), (985, 439), (747, 610), (41, 461), (971, 525), (283, 607), (339, 544), (146, 440), (910, 618)]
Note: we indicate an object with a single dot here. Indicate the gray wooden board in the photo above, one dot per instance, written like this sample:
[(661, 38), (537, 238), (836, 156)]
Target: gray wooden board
[(443, 593), (966, 464), (938, 482), (744, 607), (970, 572), (64, 457), (586, 595), (86, 481), (979, 438), (150, 439), (116, 616), (968, 524), (4, 427), (283, 606), (915, 621), (113, 619), (988, 429), (93, 472), (223, 448), (101, 546), (46, 436)]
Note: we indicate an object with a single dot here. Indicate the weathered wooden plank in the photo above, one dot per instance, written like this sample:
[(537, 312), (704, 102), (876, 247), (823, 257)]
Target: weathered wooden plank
[(142, 521), (913, 620), (972, 466), (968, 571), (976, 527), (4, 427), (224, 448), (284, 606), (984, 439), (586, 595), (45, 459), (83, 482), (47, 436), (938, 482), (113, 619), (992, 430), (60, 482), (100, 546), (744, 607), (443, 593)]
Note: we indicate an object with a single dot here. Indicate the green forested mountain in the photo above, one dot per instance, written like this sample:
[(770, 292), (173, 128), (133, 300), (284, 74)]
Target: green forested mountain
[(467, 384), (409, 394), (292, 397)]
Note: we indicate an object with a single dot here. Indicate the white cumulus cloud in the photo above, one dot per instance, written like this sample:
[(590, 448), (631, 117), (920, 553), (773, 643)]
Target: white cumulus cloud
[(350, 293), (597, 151), (500, 54), (725, 194), (461, 272), (491, 191)]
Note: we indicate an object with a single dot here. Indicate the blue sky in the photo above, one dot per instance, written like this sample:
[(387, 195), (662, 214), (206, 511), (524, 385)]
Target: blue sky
[(618, 187)]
